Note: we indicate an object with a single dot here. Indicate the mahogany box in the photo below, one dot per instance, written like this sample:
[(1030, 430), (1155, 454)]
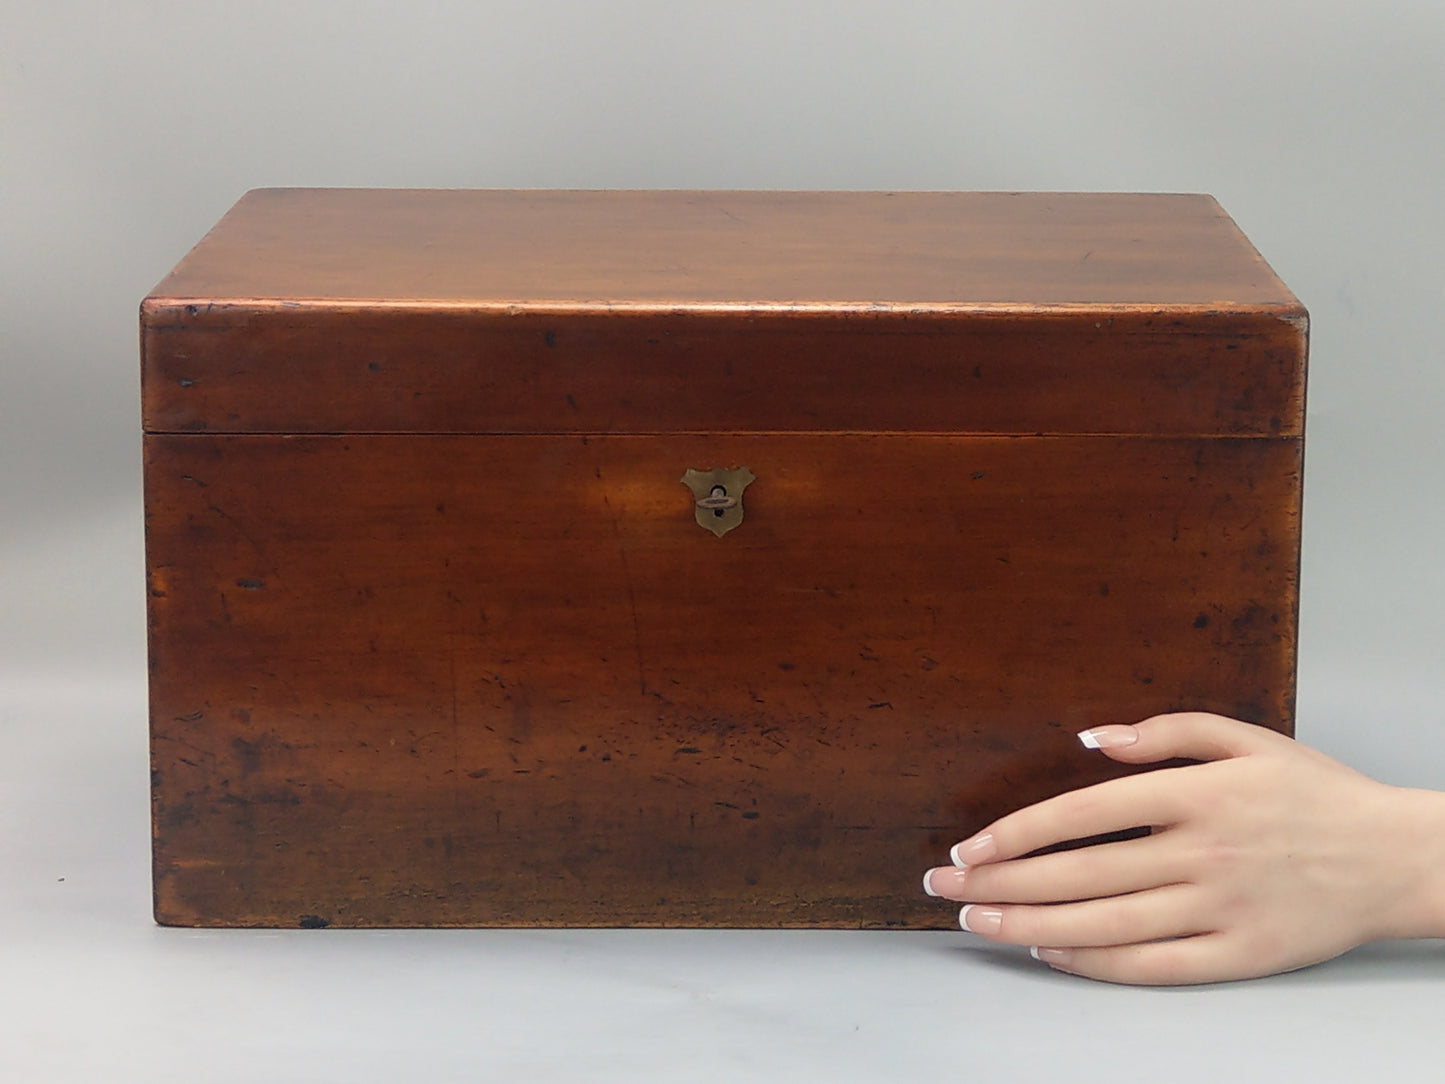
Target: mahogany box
[(690, 558)]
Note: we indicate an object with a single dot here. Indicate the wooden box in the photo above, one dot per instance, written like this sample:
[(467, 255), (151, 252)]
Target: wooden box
[(439, 636)]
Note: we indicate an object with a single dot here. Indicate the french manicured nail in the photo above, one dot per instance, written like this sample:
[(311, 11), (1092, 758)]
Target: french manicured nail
[(945, 881), (1108, 737), (985, 920), (972, 851), (1054, 957)]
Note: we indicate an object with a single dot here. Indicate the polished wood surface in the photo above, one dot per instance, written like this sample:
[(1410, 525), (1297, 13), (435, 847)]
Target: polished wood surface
[(361, 369), (509, 680), (498, 311), (436, 638), (909, 251)]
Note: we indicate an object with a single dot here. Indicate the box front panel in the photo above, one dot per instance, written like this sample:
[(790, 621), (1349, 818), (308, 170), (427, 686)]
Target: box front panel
[(436, 680), (364, 368)]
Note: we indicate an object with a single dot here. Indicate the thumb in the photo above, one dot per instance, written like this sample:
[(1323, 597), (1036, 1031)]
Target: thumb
[(1189, 735)]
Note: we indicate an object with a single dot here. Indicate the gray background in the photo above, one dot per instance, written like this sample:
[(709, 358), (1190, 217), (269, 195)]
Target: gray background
[(126, 129)]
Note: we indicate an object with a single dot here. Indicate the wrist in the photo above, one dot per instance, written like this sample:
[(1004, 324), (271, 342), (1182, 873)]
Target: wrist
[(1414, 844)]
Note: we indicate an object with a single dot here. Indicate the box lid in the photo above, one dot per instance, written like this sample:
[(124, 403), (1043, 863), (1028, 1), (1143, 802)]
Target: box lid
[(352, 310)]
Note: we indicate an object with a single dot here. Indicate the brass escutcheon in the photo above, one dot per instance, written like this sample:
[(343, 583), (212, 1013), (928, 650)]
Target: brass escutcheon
[(718, 497)]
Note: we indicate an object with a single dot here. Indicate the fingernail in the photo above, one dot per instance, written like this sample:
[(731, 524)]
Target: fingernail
[(972, 851), (1054, 957), (1108, 737), (985, 920), (949, 882)]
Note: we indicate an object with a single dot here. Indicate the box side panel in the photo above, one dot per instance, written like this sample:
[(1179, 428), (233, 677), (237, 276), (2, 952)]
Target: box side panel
[(511, 681), (395, 369)]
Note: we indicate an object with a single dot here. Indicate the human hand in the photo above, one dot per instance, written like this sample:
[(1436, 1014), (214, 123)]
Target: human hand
[(1267, 857)]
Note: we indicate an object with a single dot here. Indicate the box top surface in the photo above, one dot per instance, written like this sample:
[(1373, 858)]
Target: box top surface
[(920, 251), (352, 310)]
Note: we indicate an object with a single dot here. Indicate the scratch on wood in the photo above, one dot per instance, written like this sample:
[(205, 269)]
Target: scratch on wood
[(456, 737), (631, 596)]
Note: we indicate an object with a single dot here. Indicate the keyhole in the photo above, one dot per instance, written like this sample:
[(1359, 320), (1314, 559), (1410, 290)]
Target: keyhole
[(718, 491)]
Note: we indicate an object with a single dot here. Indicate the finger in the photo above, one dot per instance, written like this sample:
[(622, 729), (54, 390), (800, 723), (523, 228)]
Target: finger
[(1191, 735), (1170, 911), (1132, 802), (1107, 869), (1210, 957)]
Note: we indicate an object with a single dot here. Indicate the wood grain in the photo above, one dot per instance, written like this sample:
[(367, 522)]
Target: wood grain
[(909, 251), (365, 369), (497, 311), (435, 637), (508, 680)]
